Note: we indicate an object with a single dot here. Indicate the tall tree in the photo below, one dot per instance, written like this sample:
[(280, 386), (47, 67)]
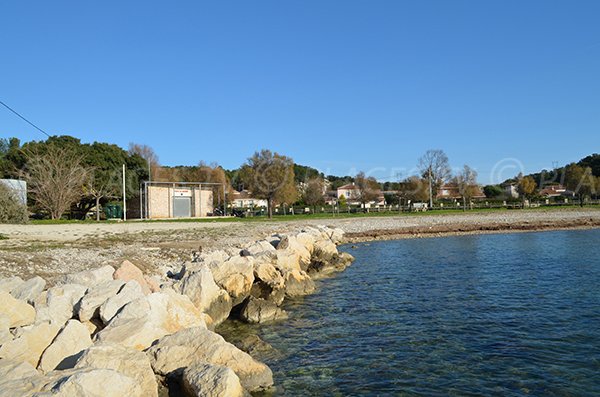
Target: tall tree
[(526, 186), (55, 179), (313, 193), (413, 189), (581, 181), (435, 167), (466, 181), (148, 154), (368, 188), (270, 176)]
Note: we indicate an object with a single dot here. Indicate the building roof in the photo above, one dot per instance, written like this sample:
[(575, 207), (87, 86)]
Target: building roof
[(350, 186)]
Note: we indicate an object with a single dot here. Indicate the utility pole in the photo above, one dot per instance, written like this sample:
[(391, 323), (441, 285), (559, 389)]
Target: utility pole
[(430, 190), (124, 198)]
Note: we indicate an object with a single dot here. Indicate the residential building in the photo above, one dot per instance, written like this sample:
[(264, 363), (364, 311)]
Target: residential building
[(244, 199)]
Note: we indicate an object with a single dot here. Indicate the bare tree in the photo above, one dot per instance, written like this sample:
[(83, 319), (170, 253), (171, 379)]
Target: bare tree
[(466, 181), (148, 154), (414, 189), (55, 179), (368, 188), (435, 167), (313, 194), (100, 185)]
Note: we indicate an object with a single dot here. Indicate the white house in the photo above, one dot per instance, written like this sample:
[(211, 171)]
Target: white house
[(244, 199)]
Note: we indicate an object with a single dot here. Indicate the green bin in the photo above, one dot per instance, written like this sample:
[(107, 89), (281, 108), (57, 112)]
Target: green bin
[(113, 211)]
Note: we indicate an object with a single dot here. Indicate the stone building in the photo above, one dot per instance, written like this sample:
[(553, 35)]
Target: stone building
[(166, 200)]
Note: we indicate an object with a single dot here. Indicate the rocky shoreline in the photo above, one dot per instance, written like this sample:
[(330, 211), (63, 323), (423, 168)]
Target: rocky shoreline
[(115, 332)]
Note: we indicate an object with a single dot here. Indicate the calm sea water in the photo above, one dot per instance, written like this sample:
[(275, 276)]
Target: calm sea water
[(508, 314)]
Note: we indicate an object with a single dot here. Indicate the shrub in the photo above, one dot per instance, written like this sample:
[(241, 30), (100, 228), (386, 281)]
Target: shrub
[(11, 209)]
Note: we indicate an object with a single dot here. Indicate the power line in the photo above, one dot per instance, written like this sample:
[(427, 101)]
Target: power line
[(27, 121)]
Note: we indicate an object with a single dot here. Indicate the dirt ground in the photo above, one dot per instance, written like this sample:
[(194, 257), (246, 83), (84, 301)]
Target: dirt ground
[(51, 250)]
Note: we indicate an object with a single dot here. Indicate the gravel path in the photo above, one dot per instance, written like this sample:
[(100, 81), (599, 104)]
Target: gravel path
[(51, 250)]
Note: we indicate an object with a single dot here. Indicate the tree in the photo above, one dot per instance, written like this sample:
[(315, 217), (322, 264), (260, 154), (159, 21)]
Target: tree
[(313, 192), (581, 181), (147, 153), (413, 189), (492, 191), (466, 181), (342, 201), (435, 167), (270, 176), (526, 186), (11, 209), (368, 188), (55, 179), (98, 186)]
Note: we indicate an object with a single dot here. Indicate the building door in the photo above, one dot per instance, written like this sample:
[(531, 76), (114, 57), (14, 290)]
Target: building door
[(182, 207)]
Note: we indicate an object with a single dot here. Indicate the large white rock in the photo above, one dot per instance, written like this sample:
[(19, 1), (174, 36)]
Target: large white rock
[(89, 278), (127, 361), (130, 272), (268, 274), (256, 310), (207, 380), (298, 283), (287, 259), (30, 289), (18, 378), (59, 305), (143, 321), (130, 292), (5, 334), (89, 306), (29, 343), (90, 382), (182, 349), (10, 283), (66, 347), (201, 288), (291, 243), (257, 248), (235, 276), (19, 313)]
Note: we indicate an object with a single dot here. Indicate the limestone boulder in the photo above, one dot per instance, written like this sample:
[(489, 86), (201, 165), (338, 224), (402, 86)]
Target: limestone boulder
[(10, 283), (291, 243), (298, 283), (204, 292), (89, 306), (29, 343), (90, 382), (17, 312), (267, 273), (287, 259), (257, 248), (264, 291), (60, 303), (256, 310), (88, 278), (128, 272), (207, 380), (235, 276), (5, 334), (18, 378), (131, 291), (126, 361), (29, 290), (180, 350), (66, 347), (323, 266), (142, 322)]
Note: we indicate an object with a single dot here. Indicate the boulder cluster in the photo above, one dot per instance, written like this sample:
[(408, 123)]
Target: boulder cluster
[(117, 332)]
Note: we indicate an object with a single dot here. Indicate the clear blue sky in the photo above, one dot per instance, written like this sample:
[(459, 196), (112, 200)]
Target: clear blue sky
[(338, 85)]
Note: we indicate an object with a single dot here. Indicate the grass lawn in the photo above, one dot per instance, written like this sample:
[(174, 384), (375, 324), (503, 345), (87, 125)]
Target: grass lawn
[(298, 217)]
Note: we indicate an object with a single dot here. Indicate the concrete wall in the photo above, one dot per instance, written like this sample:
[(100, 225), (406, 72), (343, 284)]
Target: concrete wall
[(160, 202), (203, 202)]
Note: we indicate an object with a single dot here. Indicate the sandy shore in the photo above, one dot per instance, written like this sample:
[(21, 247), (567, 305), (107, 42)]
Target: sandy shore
[(51, 250)]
